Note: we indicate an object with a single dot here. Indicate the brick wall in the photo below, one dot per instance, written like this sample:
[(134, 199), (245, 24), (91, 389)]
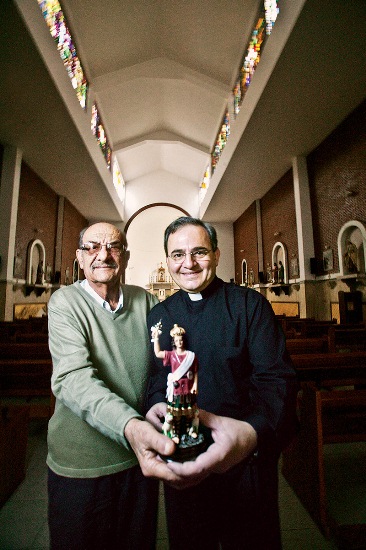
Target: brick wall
[(74, 222), (37, 216), (245, 239), (278, 216), (336, 169)]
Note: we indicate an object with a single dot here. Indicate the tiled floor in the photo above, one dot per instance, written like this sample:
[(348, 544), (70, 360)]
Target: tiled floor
[(23, 519)]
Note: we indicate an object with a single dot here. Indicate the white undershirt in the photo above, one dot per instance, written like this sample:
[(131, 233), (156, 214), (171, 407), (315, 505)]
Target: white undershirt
[(86, 286)]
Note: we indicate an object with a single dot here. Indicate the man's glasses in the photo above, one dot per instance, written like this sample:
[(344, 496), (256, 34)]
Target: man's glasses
[(200, 254), (94, 248)]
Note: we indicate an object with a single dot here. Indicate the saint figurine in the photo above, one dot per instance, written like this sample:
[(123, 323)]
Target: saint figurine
[(181, 421), (350, 257)]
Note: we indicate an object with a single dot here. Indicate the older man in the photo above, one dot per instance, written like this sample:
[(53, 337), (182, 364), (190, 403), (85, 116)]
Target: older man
[(247, 388), (98, 496)]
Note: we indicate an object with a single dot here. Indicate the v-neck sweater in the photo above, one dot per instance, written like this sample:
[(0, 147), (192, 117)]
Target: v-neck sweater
[(101, 363)]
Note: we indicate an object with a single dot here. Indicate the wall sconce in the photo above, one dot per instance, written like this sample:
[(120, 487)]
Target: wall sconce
[(277, 233)]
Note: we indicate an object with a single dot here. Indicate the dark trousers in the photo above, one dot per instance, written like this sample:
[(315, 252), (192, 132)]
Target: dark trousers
[(112, 512), (238, 510)]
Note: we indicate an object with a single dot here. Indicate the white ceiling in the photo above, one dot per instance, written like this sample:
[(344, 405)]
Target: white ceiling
[(162, 73)]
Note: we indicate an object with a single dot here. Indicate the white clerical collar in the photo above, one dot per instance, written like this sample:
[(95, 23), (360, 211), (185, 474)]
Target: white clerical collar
[(85, 284), (195, 296)]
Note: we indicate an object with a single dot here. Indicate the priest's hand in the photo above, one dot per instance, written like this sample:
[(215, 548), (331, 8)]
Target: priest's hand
[(233, 441)]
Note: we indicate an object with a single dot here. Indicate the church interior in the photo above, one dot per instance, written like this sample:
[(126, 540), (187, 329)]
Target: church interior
[(249, 115)]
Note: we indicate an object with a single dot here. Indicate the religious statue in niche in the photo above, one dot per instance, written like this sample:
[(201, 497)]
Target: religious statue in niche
[(181, 421), (269, 273), (275, 273), (294, 266), (39, 276), (350, 257), (281, 273), (18, 266), (48, 274)]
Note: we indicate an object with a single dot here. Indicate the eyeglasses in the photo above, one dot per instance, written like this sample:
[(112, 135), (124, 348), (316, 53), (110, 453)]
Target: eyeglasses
[(179, 257), (94, 248)]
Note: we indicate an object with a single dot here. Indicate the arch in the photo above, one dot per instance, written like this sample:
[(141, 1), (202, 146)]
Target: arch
[(244, 272), (355, 232), (36, 260), (279, 254), (152, 206), (146, 241)]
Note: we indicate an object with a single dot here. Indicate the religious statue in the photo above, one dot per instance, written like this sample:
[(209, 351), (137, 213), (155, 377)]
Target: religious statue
[(281, 273), (294, 266), (269, 273), (181, 421), (48, 275), (18, 266), (39, 276), (350, 257), (275, 273)]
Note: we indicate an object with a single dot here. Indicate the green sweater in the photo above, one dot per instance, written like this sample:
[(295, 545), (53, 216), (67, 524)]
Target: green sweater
[(101, 364)]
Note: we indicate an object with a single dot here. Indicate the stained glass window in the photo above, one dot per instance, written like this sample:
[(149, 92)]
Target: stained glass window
[(118, 182), (221, 141), (252, 57), (98, 130), (59, 30), (205, 183)]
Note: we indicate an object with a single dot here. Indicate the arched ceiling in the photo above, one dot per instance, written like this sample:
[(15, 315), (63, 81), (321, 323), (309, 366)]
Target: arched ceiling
[(162, 73)]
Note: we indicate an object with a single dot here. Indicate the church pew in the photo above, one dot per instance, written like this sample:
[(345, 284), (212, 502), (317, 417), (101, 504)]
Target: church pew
[(306, 327), (24, 350), (350, 338), (327, 416), (31, 337), (307, 345), (27, 382), (336, 366)]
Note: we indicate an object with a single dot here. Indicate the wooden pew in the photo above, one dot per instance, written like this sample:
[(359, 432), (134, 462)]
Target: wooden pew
[(26, 366), (13, 448), (327, 416), (31, 337), (350, 338), (25, 377), (23, 350), (320, 367), (307, 345)]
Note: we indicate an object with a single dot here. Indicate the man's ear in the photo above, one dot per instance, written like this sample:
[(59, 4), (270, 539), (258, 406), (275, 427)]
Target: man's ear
[(80, 258), (217, 256), (127, 257)]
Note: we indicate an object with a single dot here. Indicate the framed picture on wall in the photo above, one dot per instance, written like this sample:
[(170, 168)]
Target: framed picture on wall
[(328, 259)]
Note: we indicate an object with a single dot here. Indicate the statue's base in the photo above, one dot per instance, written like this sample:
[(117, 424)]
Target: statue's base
[(187, 449)]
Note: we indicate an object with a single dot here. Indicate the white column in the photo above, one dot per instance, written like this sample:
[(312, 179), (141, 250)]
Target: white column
[(9, 196), (59, 232), (259, 235), (304, 222)]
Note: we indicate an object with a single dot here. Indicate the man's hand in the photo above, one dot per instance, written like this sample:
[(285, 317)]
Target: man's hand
[(147, 445), (234, 440), (156, 415)]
